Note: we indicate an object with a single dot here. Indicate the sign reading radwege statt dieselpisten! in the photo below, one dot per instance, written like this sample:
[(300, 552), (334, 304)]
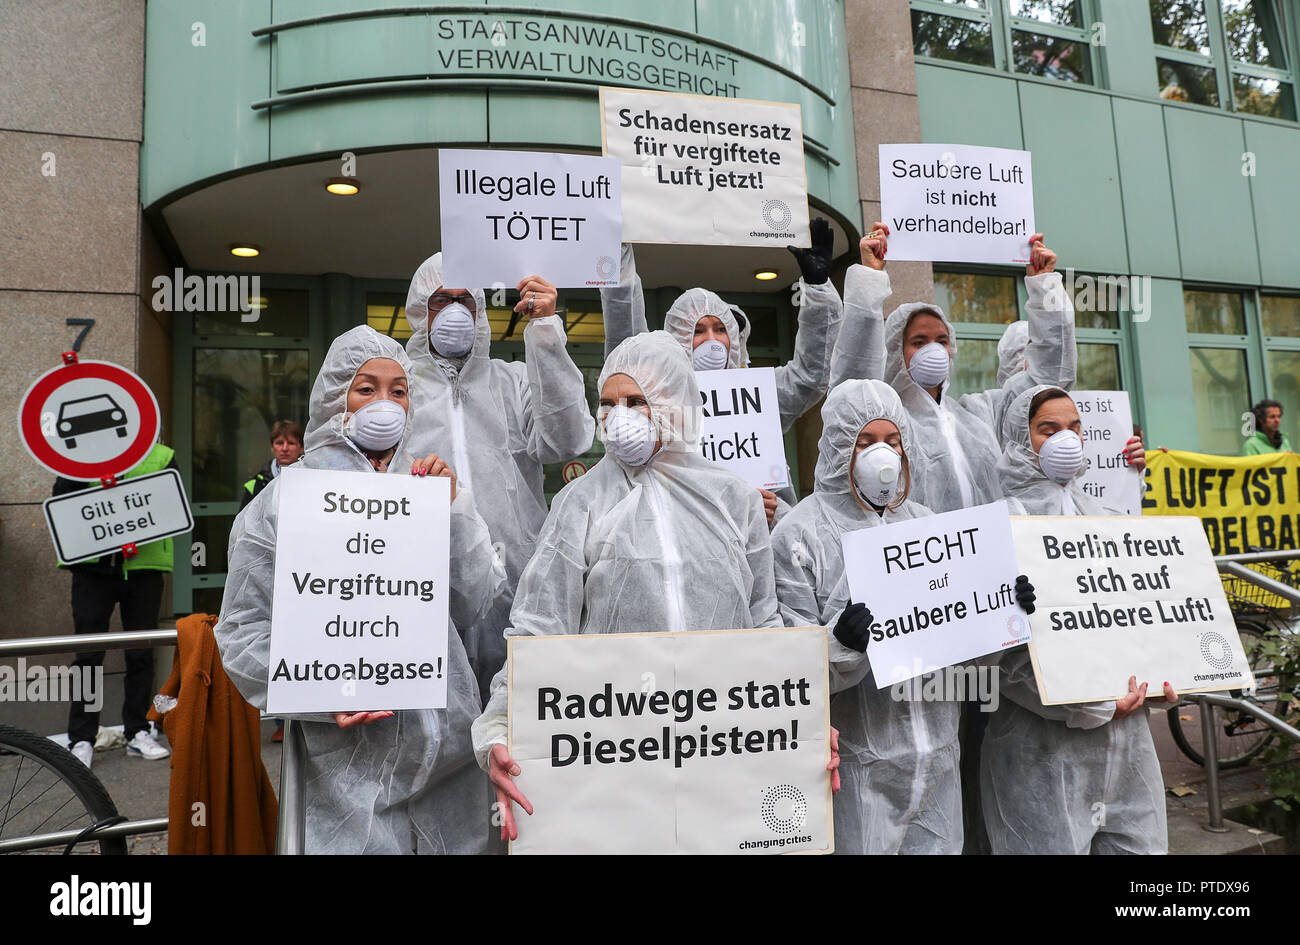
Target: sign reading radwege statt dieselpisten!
[(704, 170)]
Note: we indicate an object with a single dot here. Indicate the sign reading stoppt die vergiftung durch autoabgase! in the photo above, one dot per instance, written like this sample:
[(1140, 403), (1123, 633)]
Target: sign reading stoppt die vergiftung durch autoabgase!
[(741, 428), (359, 616), (941, 590), (1126, 596), (957, 203), (507, 215), (704, 742), (704, 170)]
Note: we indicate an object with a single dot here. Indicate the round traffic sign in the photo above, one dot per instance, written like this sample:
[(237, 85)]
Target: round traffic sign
[(88, 420), (573, 470)]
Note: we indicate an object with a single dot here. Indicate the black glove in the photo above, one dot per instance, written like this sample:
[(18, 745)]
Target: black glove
[(815, 263), (854, 627), (1025, 594)]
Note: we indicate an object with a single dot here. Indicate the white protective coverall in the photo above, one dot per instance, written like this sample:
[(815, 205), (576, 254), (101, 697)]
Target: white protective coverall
[(405, 784)]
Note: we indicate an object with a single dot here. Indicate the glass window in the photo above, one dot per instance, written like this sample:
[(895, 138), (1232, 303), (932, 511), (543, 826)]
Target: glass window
[(1281, 315), (1181, 24), (238, 394), (1060, 12), (1284, 376), (1267, 97), (1098, 367), (281, 313), (1097, 300), (1221, 394), (955, 38), (976, 366), (1215, 313), (1051, 57), (1254, 32), (214, 532), (386, 314), (973, 297), (1184, 82)]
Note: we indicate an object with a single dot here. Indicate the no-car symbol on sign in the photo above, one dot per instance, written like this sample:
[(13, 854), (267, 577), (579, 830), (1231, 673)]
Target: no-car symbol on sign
[(573, 470), (88, 420)]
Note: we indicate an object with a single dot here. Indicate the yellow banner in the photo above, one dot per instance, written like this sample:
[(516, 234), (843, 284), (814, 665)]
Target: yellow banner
[(1245, 503)]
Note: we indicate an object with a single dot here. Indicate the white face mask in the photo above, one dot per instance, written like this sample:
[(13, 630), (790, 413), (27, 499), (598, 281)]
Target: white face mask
[(1061, 456), (376, 426), (929, 365), (878, 474), (629, 435), (452, 331), (709, 355)]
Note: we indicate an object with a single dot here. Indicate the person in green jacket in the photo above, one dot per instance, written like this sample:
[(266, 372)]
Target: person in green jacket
[(286, 448), (135, 585), (1268, 437)]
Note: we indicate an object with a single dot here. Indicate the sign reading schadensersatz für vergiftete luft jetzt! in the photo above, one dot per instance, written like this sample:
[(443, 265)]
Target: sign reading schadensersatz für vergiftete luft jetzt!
[(359, 614), (707, 171)]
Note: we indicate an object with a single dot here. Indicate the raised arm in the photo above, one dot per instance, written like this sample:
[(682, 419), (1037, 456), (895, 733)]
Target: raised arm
[(805, 380), (555, 416), (860, 349), (624, 305)]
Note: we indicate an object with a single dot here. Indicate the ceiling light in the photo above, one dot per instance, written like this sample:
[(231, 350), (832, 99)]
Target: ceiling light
[(765, 275), (343, 186), (245, 250)]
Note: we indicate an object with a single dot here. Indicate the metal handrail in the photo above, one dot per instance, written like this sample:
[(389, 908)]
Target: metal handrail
[(1235, 565), (127, 828), (87, 642), (291, 837)]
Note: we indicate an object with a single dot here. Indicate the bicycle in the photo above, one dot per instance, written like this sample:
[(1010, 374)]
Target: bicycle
[(1259, 615), (45, 789)]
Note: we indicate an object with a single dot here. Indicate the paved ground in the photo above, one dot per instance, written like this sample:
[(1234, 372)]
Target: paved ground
[(139, 789)]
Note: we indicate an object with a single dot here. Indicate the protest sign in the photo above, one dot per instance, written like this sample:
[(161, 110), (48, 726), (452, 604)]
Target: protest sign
[(957, 203), (940, 590), (1121, 596), (359, 613), (511, 214), (741, 429), (705, 170), (96, 521), (1107, 427), (1243, 502), (703, 742)]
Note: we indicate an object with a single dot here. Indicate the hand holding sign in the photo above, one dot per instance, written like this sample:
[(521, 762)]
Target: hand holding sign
[(874, 246), (1041, 259), (1137, 697), (502, 771), (349, 719), (432, 465), (537, 297)]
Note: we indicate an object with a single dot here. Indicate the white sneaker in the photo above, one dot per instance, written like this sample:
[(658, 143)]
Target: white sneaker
[(142, 745), (84, 751)]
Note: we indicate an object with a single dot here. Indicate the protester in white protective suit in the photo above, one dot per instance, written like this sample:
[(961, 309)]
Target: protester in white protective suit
[(957, 439), (500, 420), (715, 334), (1048, 772), (899, 762), (1011, 350), (653, 538), (376, 781)]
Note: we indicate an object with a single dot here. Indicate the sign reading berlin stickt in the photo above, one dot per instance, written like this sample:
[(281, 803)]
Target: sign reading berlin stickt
[(88, 420), (704, 742), (941, 590), (359, 613), (957, 203), (1107, 427), (1126, 596), (100, 520), (741, 430), (507, 215), (704, 170)]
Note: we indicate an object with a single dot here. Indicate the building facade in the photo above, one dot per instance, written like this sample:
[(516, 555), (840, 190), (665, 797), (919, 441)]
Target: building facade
[(140, 139)]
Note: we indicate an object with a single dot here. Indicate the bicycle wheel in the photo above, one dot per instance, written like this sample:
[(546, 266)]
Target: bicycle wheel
[(45, 789), (1238, 735)]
